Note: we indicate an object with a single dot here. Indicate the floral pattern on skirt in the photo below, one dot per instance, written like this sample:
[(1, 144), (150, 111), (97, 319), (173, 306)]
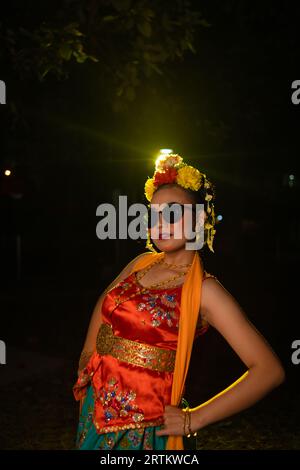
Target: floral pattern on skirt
[(131, 439)]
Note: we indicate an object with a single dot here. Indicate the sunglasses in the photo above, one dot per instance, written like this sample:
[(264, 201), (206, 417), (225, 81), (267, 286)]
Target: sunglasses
[(171, 213)]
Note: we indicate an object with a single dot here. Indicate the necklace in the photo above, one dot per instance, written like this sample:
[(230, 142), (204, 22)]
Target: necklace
[(143, 289), (161, 283), (170, 265)]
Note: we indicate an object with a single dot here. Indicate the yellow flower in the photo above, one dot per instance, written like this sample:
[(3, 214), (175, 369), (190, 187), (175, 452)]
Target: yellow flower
[(210, 239), (189, 177), (149, 188)]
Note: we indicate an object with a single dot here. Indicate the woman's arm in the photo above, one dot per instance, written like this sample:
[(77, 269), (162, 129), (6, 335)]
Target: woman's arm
[(264, 373), (265, 370), (96, 318)]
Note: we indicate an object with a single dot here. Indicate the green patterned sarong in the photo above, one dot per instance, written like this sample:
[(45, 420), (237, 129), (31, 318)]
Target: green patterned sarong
[(131, 439)]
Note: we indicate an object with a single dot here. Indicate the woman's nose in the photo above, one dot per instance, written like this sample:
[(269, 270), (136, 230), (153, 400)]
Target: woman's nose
[(160, 220)]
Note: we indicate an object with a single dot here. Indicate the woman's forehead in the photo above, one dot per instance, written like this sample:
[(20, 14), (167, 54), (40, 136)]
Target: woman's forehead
[(171, 195)]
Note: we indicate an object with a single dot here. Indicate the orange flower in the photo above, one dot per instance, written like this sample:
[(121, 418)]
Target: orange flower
[(168, 176)]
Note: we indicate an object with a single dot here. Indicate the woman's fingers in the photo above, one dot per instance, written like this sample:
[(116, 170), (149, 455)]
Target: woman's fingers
[(173, 422)]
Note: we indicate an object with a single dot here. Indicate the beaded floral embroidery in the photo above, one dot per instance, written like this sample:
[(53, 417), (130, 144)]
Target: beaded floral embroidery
[(117, 404), (161, 308), (139, 439), (107, 442)]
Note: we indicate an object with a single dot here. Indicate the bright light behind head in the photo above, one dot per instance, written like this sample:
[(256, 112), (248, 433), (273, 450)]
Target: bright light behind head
[(162, 155), (165, 151)]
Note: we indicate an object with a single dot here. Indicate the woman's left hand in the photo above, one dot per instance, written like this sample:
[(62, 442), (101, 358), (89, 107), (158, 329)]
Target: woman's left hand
[(173, 422)]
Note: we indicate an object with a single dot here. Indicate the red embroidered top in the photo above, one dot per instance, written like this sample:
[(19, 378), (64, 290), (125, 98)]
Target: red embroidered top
[(128, 395)]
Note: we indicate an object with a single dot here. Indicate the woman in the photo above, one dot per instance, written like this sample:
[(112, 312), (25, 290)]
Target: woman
[(136, 355)]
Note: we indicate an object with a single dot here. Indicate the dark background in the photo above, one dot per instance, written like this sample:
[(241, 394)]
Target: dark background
[(89, 131)]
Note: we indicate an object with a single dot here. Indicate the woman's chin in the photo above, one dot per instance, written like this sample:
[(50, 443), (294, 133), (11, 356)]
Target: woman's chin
[(167, 244)]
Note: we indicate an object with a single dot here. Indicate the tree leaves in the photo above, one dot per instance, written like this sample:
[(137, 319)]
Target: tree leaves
[(130, 40)]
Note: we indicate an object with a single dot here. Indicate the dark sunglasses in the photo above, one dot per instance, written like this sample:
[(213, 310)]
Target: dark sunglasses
[(171, 213)]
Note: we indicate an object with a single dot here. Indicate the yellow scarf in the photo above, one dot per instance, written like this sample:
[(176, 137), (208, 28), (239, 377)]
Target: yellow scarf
[(189, 312)]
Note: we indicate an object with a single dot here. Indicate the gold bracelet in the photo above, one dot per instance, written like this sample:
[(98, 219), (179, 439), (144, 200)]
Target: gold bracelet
[(189, 423), (188, 417), (184, 424), (190, 430)]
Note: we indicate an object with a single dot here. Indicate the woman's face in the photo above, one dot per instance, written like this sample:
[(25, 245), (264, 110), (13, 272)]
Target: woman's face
[(171, 236)]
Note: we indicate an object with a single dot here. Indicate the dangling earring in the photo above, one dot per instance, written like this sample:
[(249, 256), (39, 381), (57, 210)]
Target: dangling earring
[(149, 244)]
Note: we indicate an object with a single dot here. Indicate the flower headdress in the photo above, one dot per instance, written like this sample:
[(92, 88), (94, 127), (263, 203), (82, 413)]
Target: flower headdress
[(172, 169)]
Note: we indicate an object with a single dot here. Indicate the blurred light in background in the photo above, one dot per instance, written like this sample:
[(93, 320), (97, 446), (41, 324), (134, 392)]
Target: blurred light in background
[(7, 172), (165, 151), (291, 180)]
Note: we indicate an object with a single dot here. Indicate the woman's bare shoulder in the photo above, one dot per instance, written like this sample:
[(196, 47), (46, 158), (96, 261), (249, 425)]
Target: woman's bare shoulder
[(217, 302), (212, 292)]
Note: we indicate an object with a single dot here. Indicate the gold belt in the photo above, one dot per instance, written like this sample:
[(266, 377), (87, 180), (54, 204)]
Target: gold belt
[(139, 354)]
